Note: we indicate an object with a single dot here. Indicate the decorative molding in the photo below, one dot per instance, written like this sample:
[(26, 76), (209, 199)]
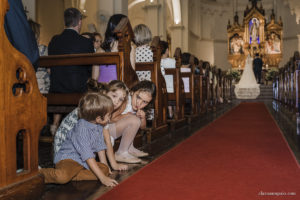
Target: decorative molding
[(176, 26), (152, 6)]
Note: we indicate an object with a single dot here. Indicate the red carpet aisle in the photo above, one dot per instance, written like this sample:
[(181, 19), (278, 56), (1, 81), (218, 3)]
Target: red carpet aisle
[(240, 156)]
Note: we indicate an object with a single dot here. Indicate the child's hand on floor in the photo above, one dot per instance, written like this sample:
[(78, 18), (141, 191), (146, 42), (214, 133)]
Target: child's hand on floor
[(109, 182)]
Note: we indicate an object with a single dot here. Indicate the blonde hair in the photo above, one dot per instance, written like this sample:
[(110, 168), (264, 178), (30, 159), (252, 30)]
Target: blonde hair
[(117, 85), (142, 35), (93, 105)]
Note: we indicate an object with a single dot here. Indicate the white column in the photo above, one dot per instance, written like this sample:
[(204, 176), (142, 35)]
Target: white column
[(177, 37), (152, 13), (121, 7), (31, 8), (108, 8)]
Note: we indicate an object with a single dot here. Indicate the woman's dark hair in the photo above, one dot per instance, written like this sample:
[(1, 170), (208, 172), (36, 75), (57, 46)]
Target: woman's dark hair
[(185, 58), (35, 28), (205, 65), (95, 86), (110, 36), (164, 46), (145, 86)]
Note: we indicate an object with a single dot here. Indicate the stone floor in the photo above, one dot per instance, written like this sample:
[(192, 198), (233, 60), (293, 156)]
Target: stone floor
[(92, 189)]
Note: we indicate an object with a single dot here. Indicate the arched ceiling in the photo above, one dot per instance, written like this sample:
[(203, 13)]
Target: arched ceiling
[(174, 7)]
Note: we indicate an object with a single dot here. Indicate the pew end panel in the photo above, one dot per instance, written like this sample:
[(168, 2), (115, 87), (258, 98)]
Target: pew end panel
[(66, 102), (22, 117), (125, 37), (159, 123), (178, 95)]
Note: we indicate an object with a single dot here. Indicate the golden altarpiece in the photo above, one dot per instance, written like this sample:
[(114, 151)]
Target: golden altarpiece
[(256, 37)]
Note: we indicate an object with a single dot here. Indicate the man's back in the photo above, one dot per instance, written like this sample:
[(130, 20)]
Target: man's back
[(68, 79), (257, 63)]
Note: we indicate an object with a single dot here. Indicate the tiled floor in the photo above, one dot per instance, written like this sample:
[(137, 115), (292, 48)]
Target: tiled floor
[(93, 189)]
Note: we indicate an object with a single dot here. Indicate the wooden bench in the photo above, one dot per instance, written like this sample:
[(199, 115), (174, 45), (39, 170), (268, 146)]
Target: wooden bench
[(178, 95), (159, 123), (192, 97), (65, 102), (22, 116)]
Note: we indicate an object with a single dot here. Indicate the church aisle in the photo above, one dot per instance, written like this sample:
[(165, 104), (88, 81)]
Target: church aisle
[(242, 155), (90, 190)]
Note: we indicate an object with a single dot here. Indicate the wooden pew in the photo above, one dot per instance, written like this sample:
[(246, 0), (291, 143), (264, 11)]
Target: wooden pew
[(159, 123), (192, 97), (22, 116), (178, 96), (209, 88), (64, 103), (205, 88)]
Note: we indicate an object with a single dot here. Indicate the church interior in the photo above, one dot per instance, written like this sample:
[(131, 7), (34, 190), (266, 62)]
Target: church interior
[(222, 123)]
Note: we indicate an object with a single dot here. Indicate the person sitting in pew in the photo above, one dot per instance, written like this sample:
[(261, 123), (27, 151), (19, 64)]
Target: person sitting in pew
[(19, 32), (167, 62), (69, 79), (98, 41), (118, 92), (75, 161), (143, 37), (197, 63), (126, 120), (143, 52), (42, 74), (185, 67), (106, 73)]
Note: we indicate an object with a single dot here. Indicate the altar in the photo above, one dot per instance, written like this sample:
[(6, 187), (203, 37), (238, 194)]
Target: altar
[(255, 35)]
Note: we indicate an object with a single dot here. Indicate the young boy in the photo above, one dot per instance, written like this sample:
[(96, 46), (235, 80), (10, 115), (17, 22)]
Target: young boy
[(75, 161)]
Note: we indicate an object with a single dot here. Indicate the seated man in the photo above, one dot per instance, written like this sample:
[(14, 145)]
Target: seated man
[(68, 79)]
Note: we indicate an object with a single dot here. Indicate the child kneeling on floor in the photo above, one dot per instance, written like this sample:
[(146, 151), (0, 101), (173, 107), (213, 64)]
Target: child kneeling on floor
[(75, 161)]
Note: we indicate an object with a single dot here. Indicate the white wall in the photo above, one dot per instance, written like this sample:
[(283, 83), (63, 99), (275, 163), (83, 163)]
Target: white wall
[(31, 8), (290, 31)]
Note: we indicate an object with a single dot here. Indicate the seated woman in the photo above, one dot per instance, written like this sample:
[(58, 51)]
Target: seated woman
[(98, 41), (165, 63), (42, 74), (185, 67), (143, 52), (106, 73)]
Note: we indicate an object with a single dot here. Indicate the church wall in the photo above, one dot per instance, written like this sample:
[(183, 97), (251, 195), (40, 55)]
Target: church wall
[(30, 6), (220, 54), (206, 51), (290, 31), (203, 23), (219, 35), (50, 16), (93, 17)]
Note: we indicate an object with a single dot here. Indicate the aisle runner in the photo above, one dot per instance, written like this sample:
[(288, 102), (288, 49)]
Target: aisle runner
[(240, 156)]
